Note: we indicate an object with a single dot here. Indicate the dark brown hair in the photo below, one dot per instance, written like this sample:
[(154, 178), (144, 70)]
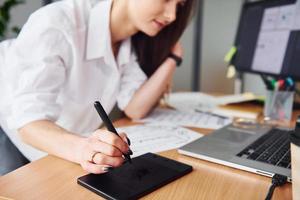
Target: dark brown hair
[(152, 51)]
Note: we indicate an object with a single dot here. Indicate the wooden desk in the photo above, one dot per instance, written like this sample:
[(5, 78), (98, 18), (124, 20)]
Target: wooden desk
[(54, 178)]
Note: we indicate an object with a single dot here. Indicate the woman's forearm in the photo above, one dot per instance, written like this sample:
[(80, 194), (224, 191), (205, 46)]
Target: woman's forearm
[(151, 91), (49, 137), (96, 153)]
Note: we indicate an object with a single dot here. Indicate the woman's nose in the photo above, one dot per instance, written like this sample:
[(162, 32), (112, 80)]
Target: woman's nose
[(170, 12)]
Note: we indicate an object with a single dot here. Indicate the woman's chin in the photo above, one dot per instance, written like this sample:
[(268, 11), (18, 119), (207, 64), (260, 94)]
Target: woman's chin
[(151, 33)]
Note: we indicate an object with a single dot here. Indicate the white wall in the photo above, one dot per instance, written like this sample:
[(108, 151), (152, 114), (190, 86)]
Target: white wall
[(183, 74), (220, 21), (253, 83), (219, 29)]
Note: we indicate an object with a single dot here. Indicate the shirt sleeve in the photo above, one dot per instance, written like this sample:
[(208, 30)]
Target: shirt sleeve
[(132, 79), (36, 72)]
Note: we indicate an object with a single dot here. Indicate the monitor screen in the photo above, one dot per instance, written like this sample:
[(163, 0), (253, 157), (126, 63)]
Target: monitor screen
[(268, 38)]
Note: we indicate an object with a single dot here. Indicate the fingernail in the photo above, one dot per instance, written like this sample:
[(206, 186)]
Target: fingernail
[(127, 159), (110, 168), (107, 169), (128, 141), (129, 152)]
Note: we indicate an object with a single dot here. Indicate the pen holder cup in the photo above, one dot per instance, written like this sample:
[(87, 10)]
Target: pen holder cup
[(279, 106), (295, 156)]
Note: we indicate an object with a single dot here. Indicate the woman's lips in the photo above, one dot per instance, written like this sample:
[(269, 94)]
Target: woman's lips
[(159, 24)]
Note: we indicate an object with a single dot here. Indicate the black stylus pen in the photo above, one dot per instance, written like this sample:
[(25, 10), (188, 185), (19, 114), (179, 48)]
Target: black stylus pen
[(108, 123)]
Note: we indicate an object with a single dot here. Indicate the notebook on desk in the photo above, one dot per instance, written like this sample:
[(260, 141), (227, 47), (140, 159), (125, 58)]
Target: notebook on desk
[(259, 149)]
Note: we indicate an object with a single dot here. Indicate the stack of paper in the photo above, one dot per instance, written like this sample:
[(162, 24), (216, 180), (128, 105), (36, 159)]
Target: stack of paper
[(195, 101), (235, 113), (188, 101), (190, 119), (236, 98)]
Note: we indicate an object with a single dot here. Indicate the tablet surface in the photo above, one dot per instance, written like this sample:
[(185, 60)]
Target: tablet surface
[(131, 181)]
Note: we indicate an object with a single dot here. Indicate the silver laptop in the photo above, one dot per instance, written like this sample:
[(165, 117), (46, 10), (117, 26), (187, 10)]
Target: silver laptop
[(259, 149)]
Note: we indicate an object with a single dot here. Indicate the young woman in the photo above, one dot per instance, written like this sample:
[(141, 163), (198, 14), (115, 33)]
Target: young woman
[(74, 52)]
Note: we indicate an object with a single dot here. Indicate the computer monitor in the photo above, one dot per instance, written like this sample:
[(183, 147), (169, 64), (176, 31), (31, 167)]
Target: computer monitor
[(268, 38)]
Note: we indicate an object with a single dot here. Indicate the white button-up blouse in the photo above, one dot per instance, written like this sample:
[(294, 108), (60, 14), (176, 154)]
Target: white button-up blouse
[(61, 62)]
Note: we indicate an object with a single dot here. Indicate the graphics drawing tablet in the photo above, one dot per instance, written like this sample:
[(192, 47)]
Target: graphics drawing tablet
[(132, 181)]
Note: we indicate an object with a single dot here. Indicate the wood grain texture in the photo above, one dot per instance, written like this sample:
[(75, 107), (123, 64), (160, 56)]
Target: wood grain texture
[(295, 150)]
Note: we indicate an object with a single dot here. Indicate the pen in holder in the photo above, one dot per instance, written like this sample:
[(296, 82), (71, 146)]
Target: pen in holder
[(279, 100), (279, 106)]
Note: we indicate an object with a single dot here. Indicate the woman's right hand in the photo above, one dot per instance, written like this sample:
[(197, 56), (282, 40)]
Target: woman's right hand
[(102, 150)]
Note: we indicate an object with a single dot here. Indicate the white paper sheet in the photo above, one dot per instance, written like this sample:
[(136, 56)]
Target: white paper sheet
[(286, 17), (235, 98), (180, 118), (270, 51), (270, 19), (235, 113), (188, 101), (150, 138)]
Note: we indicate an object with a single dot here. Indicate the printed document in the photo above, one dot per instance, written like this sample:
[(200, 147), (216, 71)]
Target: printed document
[(151, 138), (192, 101), (189, 101), (190, 119)]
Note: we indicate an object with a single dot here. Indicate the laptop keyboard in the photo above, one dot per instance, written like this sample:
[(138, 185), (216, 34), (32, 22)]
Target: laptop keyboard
[(272, 148)]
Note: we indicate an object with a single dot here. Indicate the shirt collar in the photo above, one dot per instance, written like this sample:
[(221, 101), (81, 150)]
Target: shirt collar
[(124, 54), (98, 30), (99, 36)]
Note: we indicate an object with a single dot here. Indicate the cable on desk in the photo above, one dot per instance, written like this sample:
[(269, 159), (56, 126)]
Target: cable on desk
[(277, 180)]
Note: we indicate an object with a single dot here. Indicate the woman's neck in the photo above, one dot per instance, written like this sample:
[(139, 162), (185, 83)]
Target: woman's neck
[(120, 24)]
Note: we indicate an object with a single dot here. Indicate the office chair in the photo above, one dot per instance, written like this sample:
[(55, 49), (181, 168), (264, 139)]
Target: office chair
[(10, 157)]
